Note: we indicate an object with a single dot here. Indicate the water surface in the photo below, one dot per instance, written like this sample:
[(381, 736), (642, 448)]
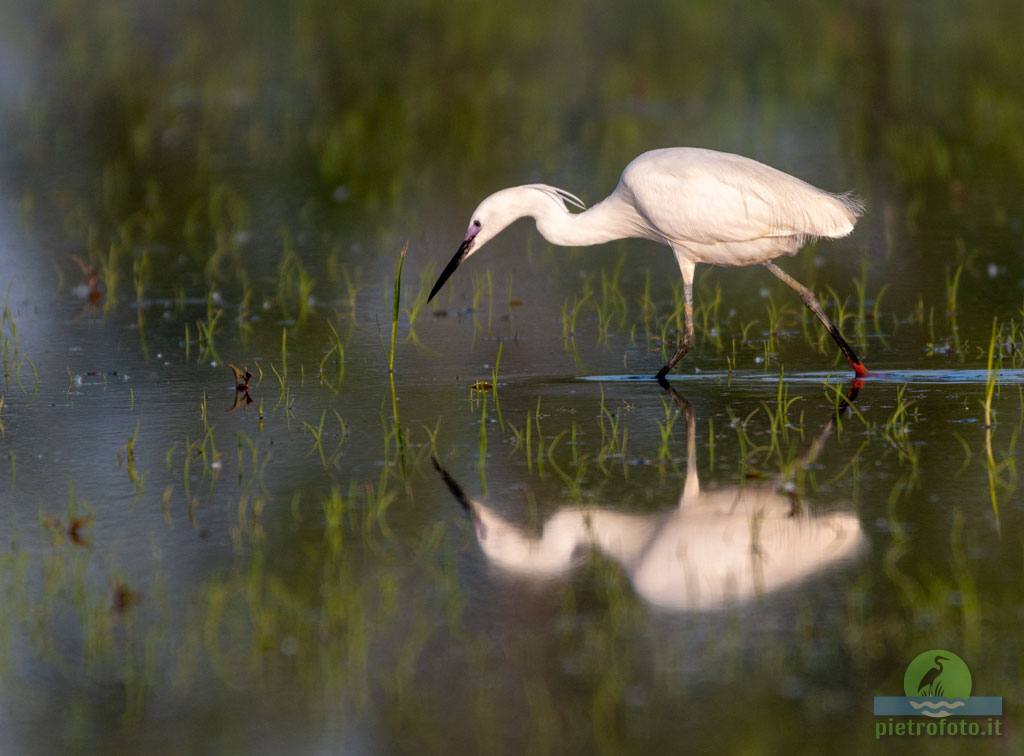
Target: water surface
[(739, 565)]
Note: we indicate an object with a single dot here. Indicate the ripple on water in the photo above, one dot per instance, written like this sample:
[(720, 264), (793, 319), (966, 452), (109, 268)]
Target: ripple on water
[(966, 376)]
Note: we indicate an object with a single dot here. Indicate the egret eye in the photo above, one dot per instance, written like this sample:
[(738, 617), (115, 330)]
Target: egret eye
[(476, 223)]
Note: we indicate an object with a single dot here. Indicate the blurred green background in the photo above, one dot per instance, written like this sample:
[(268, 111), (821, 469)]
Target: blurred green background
[(409, 109)]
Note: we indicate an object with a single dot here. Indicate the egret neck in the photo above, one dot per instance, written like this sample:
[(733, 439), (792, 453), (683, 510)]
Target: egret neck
[(608, 220)]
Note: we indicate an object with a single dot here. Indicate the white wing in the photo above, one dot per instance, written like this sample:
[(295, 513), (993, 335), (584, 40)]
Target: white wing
[(708, 197)]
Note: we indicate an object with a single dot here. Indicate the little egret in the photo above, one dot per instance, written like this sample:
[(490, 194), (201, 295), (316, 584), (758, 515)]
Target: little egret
[(709, 207)]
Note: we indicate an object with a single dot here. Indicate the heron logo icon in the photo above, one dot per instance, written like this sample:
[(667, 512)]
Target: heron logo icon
[(937, 684), (934, 680)]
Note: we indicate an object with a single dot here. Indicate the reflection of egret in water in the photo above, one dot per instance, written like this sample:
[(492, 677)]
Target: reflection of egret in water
[(718, 546)]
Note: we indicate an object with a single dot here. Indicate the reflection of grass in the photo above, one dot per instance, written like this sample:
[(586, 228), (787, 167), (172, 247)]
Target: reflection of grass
[(337, 350), (778, 417), (494, 385), (991, 372), (665, 431), (837, 396), (896, 429), (614, 436), (482, 444), (1000, 475), (140, 276), (317, 433), (9, 345), (127, 457)]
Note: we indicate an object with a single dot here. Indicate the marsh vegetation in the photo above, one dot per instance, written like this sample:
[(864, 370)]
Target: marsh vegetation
[(206, 198)]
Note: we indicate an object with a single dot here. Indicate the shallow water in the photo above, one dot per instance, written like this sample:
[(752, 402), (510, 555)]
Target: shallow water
[(518, 540)]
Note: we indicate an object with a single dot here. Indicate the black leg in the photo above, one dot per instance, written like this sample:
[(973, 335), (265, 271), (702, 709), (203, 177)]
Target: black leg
[(686, 341), (815, 306)]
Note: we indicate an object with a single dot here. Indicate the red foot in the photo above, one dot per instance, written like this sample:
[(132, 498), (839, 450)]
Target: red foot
[(859, 369)]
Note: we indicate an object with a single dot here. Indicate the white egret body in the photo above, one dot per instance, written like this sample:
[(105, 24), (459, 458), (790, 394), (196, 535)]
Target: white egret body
[(709, 207)]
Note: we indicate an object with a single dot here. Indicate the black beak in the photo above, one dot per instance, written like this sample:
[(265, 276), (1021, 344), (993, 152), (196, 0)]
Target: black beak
[(460, 496), (453, 487), (450, 268)]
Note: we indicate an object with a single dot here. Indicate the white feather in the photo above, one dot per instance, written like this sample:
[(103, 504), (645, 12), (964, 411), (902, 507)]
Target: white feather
[(561, 196)]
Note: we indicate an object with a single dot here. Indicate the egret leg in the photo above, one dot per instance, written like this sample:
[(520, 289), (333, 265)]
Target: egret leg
[(691, 488), (815, 306), (686, 341)]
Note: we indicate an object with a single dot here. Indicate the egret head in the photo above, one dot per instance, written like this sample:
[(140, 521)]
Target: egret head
[(497, 212), (491, 217)]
